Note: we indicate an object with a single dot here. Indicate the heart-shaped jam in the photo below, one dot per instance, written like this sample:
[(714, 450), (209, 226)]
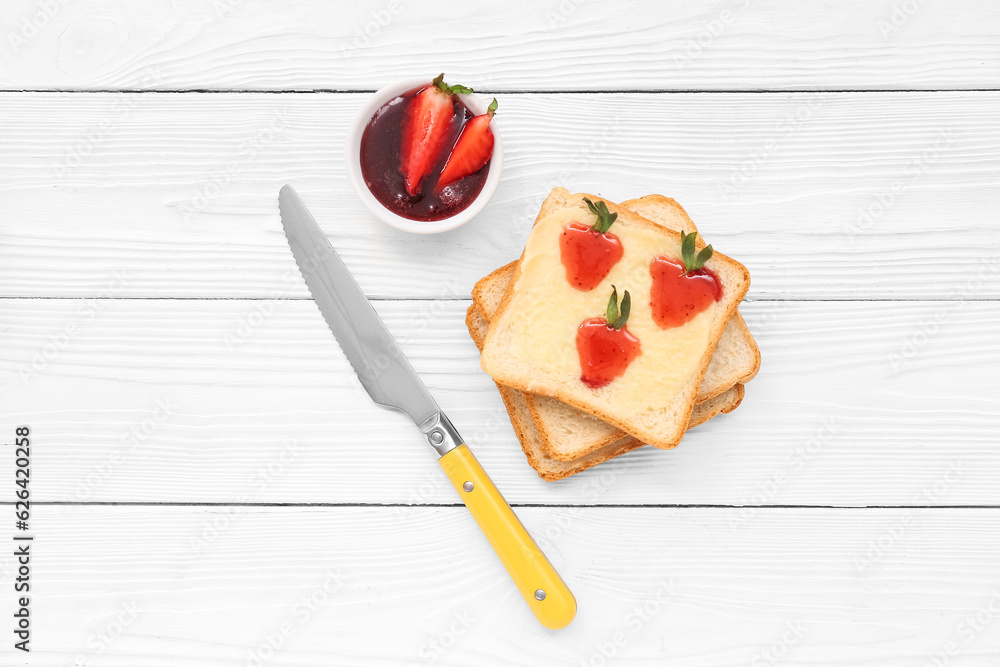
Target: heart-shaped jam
[(588, 255), (589, 252), (678, 295), (605, 346), (682, 289)]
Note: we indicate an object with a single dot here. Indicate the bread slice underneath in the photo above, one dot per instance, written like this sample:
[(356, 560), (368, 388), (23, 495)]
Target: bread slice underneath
[(566, 433), (551, 469)]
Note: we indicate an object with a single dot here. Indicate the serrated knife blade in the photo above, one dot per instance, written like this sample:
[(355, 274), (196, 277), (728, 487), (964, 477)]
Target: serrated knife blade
[(391, 381), (383, 370)]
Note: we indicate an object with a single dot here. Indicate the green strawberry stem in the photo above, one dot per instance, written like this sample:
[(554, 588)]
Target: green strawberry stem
[(617, 319), (692, 263), (605, 218), (449, 90)]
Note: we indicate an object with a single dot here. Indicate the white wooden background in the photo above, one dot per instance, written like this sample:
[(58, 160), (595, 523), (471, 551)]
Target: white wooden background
[(213, 486)]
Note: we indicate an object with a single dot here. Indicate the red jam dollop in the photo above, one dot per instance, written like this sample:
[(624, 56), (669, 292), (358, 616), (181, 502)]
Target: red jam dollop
[(588, 255), (677, 297), (605, 352)]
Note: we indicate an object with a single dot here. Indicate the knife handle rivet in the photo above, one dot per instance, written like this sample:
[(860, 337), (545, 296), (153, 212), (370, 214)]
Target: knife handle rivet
[(539, 595), (469, 486), (436, 437)]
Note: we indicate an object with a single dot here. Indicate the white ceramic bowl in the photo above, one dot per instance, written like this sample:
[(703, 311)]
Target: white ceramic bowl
[(353, 158)]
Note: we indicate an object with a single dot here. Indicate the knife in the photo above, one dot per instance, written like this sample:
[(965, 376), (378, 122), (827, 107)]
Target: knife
[(392, 383)]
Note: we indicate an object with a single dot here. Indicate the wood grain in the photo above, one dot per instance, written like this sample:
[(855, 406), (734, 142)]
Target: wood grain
[(175, 195), (569, 45), (857, 403), (150, 586)]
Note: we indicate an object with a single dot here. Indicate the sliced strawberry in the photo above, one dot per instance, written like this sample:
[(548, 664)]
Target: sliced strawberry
[(426, 126), (473, 150)]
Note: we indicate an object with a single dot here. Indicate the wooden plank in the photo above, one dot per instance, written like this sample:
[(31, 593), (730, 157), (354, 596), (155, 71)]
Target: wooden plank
[(857, 403), (151, 586), (570, 45), (834, 196)]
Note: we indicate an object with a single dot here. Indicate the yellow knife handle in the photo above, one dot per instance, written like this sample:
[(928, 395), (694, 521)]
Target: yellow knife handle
[(540, 585)]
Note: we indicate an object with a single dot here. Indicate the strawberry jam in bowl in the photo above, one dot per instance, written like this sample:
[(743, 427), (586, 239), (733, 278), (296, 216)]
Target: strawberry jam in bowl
[(425, 156)]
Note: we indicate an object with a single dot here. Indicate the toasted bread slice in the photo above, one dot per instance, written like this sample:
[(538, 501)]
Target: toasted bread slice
[(551, 469), (530, 343), (567, 433)]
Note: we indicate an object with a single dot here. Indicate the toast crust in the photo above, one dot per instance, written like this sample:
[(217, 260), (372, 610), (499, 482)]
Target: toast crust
[(736, 289)]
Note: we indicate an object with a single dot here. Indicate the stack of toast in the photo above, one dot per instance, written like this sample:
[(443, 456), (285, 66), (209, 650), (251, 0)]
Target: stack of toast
[(565, 427)]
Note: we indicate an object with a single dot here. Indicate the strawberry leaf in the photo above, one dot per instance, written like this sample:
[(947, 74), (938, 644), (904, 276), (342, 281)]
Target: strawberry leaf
[(703, 256), (612, 314), (492, 108), (692, 263), (687, 250), (605, 218), (626, 307), (450, 90)]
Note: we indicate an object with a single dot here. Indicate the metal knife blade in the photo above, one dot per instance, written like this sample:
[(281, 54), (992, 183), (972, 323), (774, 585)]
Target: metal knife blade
[(379, 363)]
